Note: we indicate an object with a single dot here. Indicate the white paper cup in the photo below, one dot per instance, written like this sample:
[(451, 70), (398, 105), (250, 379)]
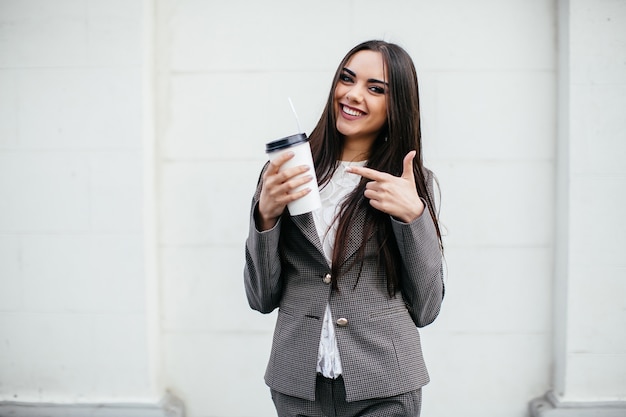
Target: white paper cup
[(299, 145)]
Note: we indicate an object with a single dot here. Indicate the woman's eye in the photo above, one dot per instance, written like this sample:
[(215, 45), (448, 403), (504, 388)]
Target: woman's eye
[(345, 78), (377, 89)]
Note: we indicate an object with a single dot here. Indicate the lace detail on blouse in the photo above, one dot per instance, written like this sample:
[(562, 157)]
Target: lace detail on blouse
[(332, 195)]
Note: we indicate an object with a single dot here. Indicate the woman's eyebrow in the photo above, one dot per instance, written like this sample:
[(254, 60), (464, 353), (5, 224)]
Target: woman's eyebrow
[(371, 80), (349, 71), (374, 80)]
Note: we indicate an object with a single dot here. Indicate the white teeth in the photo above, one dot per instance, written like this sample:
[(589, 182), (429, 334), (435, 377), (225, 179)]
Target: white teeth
[(352, 112)]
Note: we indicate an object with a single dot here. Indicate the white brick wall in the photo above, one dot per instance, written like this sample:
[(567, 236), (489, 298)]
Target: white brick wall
[(73, 319), (591, 364), (488, 90)]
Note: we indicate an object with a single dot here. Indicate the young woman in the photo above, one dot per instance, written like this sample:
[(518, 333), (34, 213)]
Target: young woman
[(354, 279)]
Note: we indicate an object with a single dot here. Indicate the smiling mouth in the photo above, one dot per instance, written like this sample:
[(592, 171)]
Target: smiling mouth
[(352, 112)]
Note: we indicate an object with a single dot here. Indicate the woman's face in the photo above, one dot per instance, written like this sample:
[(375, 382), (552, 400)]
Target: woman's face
[(360, 99)]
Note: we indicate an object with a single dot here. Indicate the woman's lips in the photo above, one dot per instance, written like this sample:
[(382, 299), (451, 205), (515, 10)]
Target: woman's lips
[(351, 111)]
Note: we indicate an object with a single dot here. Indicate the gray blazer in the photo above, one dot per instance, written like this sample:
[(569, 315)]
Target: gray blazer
[(377, 336)]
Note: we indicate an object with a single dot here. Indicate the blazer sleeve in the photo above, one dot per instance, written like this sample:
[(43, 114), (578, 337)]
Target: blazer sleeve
[(262, 272), (422, 273)]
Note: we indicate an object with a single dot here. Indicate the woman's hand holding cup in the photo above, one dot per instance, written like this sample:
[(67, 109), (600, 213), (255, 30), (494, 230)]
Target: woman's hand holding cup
[(278, 189)]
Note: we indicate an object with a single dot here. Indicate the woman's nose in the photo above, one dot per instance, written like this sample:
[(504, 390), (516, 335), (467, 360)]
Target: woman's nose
[(354, 95)]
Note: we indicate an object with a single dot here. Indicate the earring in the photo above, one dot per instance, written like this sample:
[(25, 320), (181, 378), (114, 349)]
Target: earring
[(385, 138)]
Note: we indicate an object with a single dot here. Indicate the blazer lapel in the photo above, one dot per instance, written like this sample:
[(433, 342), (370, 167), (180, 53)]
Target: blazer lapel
[(356, 236), (306, 224)]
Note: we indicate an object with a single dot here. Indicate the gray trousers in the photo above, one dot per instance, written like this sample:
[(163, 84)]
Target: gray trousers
[(330, 401)]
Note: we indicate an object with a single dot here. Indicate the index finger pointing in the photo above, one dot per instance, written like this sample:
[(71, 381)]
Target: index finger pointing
[(368, 173)]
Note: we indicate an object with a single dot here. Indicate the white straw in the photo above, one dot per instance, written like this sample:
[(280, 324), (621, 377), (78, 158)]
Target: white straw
[(295, 114)]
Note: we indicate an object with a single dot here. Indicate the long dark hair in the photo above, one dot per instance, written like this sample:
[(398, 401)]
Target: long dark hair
[(400, 135)]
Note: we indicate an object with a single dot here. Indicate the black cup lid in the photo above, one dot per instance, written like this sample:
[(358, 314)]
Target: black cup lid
[(287, 142)]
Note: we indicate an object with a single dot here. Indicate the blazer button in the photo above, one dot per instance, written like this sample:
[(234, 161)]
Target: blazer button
[(327, 279), (342, 322)]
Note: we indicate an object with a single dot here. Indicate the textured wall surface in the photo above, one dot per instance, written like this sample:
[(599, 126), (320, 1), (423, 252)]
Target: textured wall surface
[(591, 351), (72, 293), (488, 89)]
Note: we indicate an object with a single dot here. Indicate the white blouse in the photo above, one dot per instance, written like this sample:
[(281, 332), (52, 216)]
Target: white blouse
[(332, 194)]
